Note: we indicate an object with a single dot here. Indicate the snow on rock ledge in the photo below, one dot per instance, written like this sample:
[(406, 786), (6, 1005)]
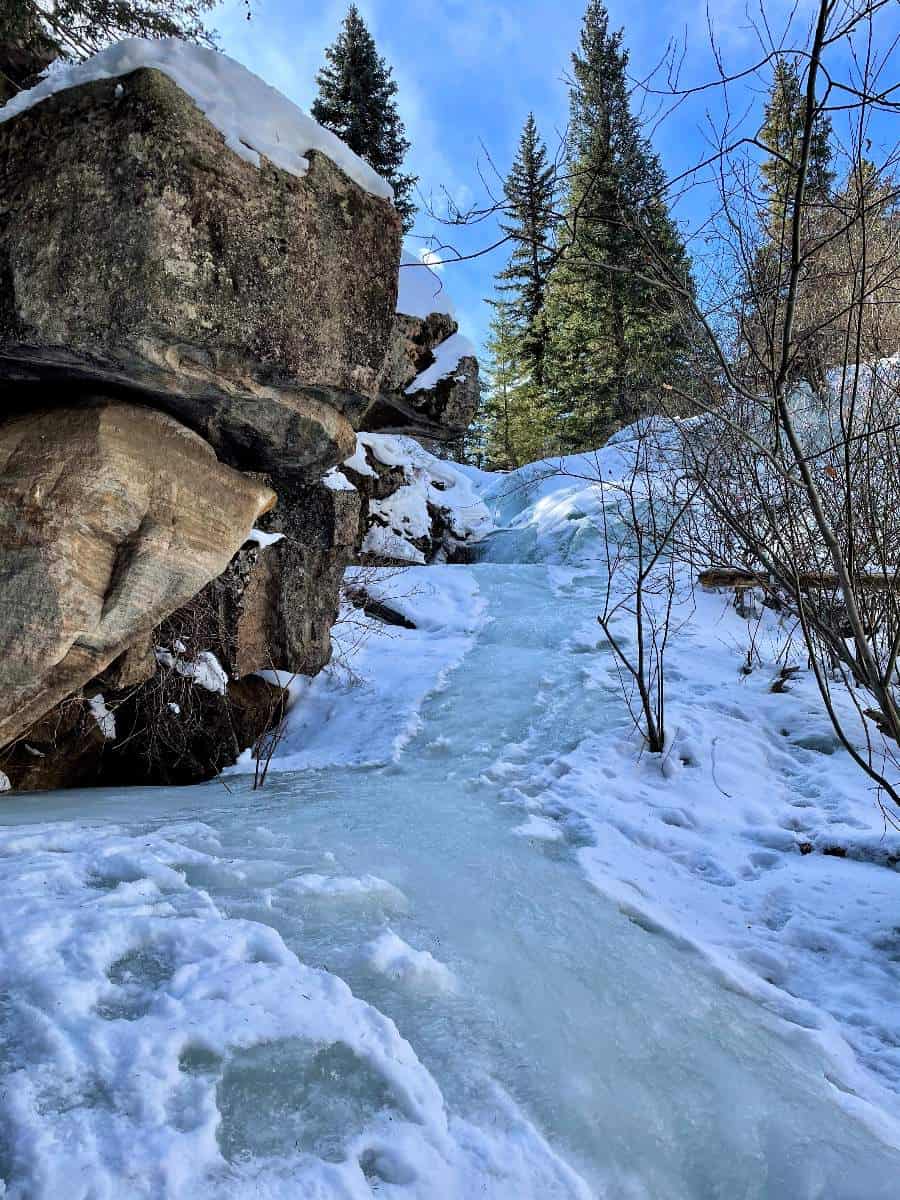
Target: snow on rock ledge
[(250, 297), (253, 117), (448, 357), (430, 370)]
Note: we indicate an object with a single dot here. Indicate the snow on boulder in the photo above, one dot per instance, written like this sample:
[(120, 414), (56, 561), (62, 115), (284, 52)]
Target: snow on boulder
[(420, 507), (256, 120), (448, 360), (430, 379), (173, 225), (421, 290)]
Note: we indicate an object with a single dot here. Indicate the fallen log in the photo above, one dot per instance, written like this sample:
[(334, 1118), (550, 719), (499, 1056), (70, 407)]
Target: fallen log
[(735, 579)]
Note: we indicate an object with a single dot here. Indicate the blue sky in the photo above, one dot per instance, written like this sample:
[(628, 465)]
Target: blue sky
[(468, 72)]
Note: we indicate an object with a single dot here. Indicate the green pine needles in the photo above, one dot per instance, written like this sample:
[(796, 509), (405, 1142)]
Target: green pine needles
[(356, 101), (589, 329)]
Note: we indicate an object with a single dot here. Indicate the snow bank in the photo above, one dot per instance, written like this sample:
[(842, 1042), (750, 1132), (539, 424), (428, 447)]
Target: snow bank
[(421, 290), (552, 511), (337, 481), (756, 839), (253, 117)]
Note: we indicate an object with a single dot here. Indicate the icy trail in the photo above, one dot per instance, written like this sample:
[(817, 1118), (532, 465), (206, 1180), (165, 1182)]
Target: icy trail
[(164, 1040)]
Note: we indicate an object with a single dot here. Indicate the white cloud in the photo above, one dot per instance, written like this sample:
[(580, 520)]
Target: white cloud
[(431, 259)]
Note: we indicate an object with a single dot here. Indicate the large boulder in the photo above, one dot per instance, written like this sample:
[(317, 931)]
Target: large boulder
[(138, 250), (273, 606), (112, 516)]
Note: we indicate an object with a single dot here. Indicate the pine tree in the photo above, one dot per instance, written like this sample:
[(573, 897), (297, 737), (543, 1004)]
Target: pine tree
[(616, 329), (515, 413), (782, 132), (356, 101), (76, 29), (530, 194)]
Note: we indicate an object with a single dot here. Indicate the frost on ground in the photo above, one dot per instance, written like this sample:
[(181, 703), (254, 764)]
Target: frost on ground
[(253, 117), (155, 1047)]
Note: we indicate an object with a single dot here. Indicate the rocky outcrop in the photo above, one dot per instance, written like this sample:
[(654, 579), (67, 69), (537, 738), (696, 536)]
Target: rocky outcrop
[(111, 517), (138, 252), (274, 605), (320, 526), (429, 383), (416, 508), (190, 323)]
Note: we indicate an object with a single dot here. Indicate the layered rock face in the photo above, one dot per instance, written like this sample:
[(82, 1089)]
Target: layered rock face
[(197, 312), (111, 517)]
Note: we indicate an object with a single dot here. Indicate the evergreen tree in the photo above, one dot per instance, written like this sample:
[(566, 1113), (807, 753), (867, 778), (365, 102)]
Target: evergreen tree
[(517, 422), (75, 29), (782, 132), (615, 326), (530, 194), (356, 101), (515, 413)]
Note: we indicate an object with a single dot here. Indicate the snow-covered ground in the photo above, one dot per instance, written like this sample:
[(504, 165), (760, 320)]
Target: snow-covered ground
[(756, 839), (469, 941)]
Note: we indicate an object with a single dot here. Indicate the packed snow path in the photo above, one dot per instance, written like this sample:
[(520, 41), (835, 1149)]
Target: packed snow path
[(575, 1052), (544, 1015)]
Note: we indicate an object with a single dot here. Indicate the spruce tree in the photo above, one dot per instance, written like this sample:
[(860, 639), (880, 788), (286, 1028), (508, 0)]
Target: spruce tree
[(616, 328), (530, 195), (517, 421), (782, 132), (356, 101), (515, 413)]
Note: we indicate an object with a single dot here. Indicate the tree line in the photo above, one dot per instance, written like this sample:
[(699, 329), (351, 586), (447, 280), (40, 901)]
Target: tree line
[(594, 312)]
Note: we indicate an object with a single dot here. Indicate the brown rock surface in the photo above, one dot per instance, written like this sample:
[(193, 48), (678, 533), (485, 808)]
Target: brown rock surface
[(138, 251), (320, 528), (440, 413), (111, 517)]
